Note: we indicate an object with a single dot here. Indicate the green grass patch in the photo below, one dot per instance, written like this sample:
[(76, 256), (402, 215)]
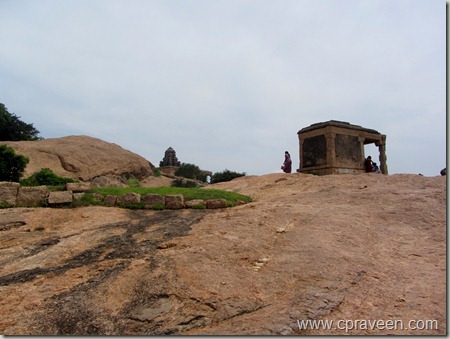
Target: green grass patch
[(86, 199), (188, 193), (4, 204), (158, 207)]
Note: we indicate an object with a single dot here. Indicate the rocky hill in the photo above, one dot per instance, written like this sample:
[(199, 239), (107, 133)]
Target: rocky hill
[(340, 247), (81, 157)]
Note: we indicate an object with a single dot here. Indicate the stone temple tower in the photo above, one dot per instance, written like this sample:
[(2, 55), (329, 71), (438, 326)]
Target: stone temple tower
[(170, 163), (170, 158)]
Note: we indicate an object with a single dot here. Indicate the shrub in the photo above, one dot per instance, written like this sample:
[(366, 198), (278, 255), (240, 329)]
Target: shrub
[(86, 199), (226, 175), (156, 172), (183, 183), (12, 165), (4, 204), (132, 182), (45, 177)]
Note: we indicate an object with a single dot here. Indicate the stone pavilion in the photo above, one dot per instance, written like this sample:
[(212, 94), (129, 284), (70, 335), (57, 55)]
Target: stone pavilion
[(337, 147)]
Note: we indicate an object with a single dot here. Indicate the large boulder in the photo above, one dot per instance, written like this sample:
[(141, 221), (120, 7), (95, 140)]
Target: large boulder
[(8, 192), (153, 200), (175, 201), (129, 198), (196, 203), (60, 197), (78, 187), (81, 157), (216, 203), (32, 196)]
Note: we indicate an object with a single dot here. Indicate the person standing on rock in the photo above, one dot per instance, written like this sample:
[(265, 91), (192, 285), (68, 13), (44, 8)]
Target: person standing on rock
[(287, 165)]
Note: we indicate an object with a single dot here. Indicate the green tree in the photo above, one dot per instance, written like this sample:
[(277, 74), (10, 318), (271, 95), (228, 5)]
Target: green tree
[(14, 129), (226, 175), (12, 165), (190, 171)]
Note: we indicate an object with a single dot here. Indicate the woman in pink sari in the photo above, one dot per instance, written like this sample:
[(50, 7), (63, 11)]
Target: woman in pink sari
[(287, 165)]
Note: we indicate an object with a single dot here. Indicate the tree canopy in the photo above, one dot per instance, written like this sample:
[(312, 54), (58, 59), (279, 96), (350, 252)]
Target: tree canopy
[(226, 175), (14, 129), (190, 171)]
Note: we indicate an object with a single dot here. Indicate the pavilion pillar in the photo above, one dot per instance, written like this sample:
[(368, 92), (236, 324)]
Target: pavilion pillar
[(300, 154), (383, 158), (361, 142)]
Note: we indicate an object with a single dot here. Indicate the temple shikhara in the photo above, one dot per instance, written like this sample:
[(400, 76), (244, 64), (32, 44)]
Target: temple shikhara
[(336, 147), (170, 162)]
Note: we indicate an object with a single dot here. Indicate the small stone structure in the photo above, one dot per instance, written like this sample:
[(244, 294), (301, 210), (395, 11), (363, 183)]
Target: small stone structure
[(336, 147), (170, 162)]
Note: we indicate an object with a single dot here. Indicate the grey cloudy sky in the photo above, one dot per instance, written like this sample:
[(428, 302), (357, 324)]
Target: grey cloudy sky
[(229, 83)]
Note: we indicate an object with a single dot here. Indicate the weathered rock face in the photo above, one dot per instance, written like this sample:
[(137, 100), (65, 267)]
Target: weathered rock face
[(81, 157), (338, 247), (108, 180)]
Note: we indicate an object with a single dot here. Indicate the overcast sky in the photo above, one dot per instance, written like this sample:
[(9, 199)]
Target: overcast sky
[(229, 83)]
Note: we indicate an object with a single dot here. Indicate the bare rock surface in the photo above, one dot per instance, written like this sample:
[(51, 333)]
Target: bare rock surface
[(338, 247), (80, 157), (156, 181)]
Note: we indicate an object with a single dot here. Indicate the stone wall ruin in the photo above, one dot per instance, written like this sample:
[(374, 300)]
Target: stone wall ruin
[(14, 195)]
